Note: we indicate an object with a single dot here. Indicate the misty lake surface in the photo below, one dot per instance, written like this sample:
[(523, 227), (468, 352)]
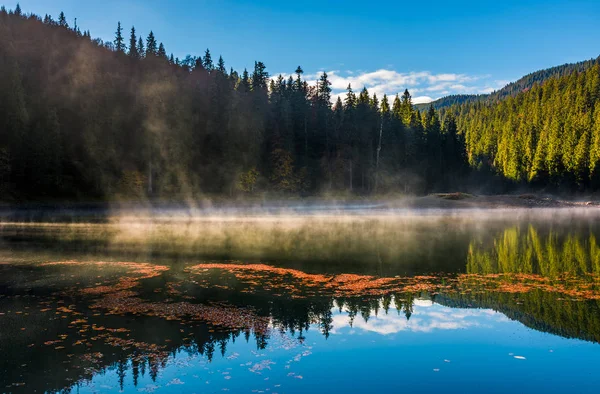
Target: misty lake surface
[(336, 301)]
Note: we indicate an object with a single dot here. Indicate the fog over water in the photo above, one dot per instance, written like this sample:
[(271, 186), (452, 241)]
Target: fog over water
[(262, 299)]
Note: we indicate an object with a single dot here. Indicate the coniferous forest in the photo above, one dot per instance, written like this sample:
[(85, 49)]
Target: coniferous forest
[(83, 119)]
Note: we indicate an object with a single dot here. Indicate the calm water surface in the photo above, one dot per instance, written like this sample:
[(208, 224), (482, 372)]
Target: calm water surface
[(465, 302)]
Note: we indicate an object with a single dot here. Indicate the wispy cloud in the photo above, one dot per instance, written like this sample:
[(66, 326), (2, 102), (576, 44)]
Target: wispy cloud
[(427, 317), (423, 85)]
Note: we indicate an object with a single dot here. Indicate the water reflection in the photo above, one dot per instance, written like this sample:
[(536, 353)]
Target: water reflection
[(528, 249), (76, 316)]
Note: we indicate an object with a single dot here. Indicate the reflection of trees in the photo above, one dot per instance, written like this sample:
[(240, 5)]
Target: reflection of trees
[(548, 252), (542, 311), (529, 250)]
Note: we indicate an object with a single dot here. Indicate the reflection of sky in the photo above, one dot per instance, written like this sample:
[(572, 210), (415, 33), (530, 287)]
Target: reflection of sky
[(438, 349), (427, 317)]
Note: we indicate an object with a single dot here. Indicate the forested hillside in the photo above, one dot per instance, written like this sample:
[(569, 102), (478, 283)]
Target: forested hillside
[(548, 135), (85, 119), (513, 88)]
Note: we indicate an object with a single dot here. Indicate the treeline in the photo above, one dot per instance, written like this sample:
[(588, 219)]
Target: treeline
[(85, 119), (546, 136), (512, 89), (81, 118)]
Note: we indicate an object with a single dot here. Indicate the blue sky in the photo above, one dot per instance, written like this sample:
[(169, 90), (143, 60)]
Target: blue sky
[(433, 48)]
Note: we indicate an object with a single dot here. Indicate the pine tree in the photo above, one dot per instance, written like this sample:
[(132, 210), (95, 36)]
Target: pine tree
[(162, 52), (197, 64), (324, 90), (259, 77), (62, 20), (385, 106), (140, 48), (18, 11), (133, 50), (350, 101), (151, 45), (119, 41), (221, 66), (299, 71), (406, 108), (397, 108), (207, 62), (244, 85)]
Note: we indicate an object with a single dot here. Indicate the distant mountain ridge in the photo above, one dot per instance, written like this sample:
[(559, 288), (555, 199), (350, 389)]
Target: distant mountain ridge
[(512, 88)]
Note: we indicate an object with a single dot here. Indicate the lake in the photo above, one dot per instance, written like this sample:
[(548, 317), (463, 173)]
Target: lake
[(296, 301)]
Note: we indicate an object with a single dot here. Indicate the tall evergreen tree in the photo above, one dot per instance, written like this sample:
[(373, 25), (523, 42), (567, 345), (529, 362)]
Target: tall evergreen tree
[(119, 41), (133, 49), (207, 62), (324, 90), (62, 20), (162, 52), (406, 110), (221, 66), (259, 77), (140, 48), (151, 45)]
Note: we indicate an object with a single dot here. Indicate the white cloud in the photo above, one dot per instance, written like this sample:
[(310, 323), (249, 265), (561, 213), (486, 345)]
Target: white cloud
[(427, 317), (422, 99), (430, 86)]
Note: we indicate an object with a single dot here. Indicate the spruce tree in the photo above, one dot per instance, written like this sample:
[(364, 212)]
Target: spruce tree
[(324, 90), (133, 50), (140, 48), (151, 45), (299, 71), (119, 41), (244, 85), (221, 66), (207, 62), (350, 101), (162, 52), (259, 77), (406, 108), (62, 20)]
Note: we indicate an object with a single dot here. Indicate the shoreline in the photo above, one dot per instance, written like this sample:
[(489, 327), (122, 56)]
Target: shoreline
[(431, 205)]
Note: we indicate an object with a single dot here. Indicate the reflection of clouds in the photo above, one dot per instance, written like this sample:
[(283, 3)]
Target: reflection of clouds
[(423, 302), (426, 317)]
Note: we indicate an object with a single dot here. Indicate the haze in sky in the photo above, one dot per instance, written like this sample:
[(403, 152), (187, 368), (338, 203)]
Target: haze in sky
[(433, 48)]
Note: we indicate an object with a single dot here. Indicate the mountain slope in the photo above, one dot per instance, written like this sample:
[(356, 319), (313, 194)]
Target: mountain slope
[(512, 88)]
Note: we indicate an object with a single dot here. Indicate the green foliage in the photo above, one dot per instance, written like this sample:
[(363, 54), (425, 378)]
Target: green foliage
[(191, 128), (283, 177), (247, 182), (512, 89), (151, 45), (546, 135)]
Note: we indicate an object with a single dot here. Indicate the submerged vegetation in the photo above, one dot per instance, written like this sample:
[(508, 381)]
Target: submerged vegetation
[(90, 316), (130, 295)]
